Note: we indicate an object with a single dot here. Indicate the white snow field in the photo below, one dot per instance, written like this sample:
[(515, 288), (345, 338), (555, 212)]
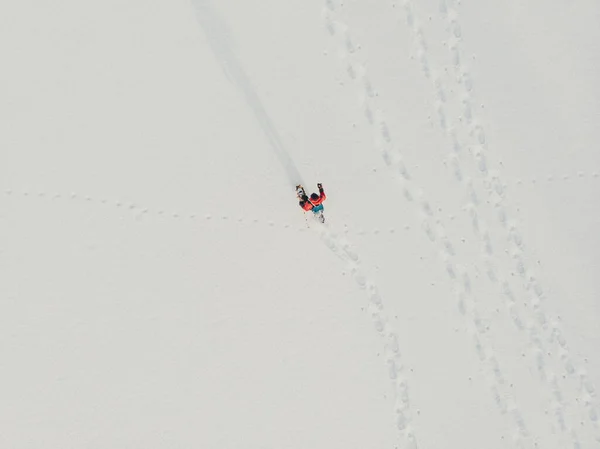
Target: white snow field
[(161, 288)]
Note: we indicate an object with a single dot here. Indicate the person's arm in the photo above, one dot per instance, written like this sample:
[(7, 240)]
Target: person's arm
[(322, 195)]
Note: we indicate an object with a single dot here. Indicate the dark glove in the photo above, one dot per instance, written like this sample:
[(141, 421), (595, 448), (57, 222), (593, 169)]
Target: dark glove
[(319, 186)]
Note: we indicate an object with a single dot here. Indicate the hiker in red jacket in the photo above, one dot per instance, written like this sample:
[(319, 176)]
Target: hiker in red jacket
[(314, 203)]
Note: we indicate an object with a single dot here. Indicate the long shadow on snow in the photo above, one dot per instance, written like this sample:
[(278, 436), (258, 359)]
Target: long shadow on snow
[(219, 39)]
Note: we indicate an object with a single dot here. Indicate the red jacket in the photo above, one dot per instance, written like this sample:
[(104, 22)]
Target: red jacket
[(308, 205)]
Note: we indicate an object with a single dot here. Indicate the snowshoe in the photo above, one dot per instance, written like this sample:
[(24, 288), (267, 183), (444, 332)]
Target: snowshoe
[(300, 192)]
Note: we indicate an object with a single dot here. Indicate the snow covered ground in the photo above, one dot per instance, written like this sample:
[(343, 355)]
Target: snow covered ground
[(160, 287)]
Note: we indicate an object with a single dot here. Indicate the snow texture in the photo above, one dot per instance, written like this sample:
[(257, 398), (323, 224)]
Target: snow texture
[(161, 288)]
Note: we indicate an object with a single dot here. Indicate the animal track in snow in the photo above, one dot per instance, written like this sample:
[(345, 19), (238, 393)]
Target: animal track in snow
[(139, 213)]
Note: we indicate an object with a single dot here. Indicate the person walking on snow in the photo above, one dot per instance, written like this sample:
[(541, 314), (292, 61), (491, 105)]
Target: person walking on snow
[(314, 203)]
